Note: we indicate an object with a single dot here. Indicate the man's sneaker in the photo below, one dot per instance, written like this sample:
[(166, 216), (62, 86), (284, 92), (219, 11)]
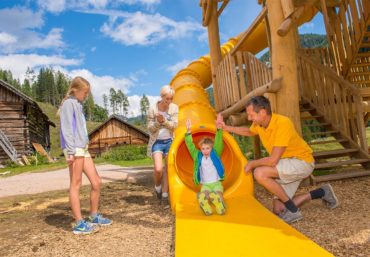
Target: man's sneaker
[(98, 219), (204, 204), (329, 199), (290, 217), (84, 228), (158, 194), (218, 202), (165, 203)]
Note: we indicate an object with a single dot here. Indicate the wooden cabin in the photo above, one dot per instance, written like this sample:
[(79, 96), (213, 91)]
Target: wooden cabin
[(115, 131), (22, 122)]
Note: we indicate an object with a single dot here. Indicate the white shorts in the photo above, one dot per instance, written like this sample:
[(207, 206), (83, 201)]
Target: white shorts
[(80, 152), (291, 173)]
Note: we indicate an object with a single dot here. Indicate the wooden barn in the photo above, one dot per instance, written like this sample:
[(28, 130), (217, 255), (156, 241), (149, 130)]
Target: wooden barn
[(115, 132), (22, 123)]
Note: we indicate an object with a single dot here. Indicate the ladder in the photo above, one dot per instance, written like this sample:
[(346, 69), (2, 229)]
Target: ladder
[(8, 147)]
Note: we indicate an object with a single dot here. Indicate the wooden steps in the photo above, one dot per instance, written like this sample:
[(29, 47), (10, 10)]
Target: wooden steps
[(331, 161)]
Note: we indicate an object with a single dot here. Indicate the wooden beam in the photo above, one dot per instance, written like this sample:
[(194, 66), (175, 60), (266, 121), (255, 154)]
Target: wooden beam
[(271, 87)]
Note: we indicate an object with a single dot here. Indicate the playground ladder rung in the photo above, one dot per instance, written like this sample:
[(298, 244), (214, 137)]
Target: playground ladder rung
[(311, 117), (328, 141), (323, 124), (339, 176), (339, 163), (334, 153), (323, 132)]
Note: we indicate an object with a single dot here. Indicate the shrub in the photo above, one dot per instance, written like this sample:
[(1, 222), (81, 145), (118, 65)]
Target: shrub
[(125, 153)]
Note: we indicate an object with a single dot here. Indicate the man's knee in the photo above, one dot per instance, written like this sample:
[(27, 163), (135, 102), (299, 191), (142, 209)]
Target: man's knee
[(259, 174)]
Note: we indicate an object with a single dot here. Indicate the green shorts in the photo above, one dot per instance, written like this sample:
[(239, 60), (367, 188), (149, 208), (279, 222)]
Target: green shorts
[(213, 187)]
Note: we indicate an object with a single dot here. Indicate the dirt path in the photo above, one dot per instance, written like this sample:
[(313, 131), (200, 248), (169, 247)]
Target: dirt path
[(32, 183), (40, 224)]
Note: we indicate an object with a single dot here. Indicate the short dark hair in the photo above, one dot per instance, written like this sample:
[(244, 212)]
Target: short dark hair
[(258, 103), (205, 141)]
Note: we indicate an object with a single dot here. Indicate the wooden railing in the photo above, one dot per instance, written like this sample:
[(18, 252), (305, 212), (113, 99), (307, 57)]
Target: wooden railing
[(338, 100), (345, 27), (237, 75)]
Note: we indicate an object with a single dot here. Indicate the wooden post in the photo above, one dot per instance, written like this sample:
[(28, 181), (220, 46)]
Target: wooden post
[(256, 147), (214, 46), (284, 64)]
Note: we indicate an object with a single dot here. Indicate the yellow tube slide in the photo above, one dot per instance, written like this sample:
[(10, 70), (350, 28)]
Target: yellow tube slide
[(247, 228)]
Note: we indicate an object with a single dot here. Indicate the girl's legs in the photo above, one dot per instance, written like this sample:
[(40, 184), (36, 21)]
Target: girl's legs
[(75, 174), (95, 181)]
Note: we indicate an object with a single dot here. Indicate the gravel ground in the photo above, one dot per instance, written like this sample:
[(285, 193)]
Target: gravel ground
[(40, 224)]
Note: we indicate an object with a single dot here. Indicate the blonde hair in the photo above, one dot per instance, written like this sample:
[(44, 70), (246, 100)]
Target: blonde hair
[(77, 84), (167, 90), (205, 141)]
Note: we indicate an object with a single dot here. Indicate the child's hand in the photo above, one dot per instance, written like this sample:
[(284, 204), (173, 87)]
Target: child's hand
[(220, 121), (188, 125)]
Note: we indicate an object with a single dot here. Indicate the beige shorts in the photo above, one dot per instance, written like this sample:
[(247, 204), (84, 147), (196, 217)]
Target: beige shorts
[(291, 173), (80, 152)]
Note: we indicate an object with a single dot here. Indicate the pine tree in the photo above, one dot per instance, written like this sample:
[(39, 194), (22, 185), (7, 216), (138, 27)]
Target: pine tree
[(113, 100), (105, 102), (144, 107)]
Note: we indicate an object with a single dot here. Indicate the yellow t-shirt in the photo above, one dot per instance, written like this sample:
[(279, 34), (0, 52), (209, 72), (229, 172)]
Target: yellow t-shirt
[(281, 132)]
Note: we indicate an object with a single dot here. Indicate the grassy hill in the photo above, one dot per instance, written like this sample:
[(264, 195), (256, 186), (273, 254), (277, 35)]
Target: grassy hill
[(51, 112)]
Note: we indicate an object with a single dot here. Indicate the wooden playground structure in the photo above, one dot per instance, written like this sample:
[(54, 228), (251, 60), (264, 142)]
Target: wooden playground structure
[(325, 91)]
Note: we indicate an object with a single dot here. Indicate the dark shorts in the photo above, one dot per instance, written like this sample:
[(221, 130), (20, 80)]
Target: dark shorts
[(162, 146)]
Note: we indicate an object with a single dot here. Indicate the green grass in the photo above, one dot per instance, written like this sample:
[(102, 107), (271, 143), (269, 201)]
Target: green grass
[(62, 164), (33, 168), (142, 162)]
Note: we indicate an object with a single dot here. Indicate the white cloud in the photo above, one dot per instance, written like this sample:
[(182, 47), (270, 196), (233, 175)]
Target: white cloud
[(146, 29), (6, 38), (134, 100), (18, 63), (17, 31), (54, 6), (178, 66), (57, 6), (145, 2), (19, 18), (93, 49)]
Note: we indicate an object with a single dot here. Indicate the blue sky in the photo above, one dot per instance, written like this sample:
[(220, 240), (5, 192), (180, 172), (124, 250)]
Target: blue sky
[(133, 45)]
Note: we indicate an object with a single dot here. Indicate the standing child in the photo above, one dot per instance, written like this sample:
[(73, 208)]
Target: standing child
[(74, 141), (208, 170)]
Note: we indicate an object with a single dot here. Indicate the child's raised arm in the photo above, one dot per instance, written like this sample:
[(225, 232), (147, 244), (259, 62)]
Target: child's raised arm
[(188, 126)]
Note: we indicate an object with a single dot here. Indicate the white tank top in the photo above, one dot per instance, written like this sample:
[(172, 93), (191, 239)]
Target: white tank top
[(164, 133)]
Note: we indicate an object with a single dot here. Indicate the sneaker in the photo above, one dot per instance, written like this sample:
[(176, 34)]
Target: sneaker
[(204, 204), (218, 202), (329, 199), (165, 203), (290, 217), (84, 228), (158, 194), (98, 219)]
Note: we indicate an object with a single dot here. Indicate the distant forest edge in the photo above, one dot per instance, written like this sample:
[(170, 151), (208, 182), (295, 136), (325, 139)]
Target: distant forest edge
[(306, 41), (50, 86)]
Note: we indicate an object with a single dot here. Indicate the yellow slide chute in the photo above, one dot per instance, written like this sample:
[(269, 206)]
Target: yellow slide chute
[(247, 229)]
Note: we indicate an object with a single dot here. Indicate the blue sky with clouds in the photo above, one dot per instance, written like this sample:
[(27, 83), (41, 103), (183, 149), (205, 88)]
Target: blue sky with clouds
[(133, 45)]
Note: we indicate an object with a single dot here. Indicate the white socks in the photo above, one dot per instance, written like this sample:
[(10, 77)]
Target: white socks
[(158, 188), (164, 195)]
